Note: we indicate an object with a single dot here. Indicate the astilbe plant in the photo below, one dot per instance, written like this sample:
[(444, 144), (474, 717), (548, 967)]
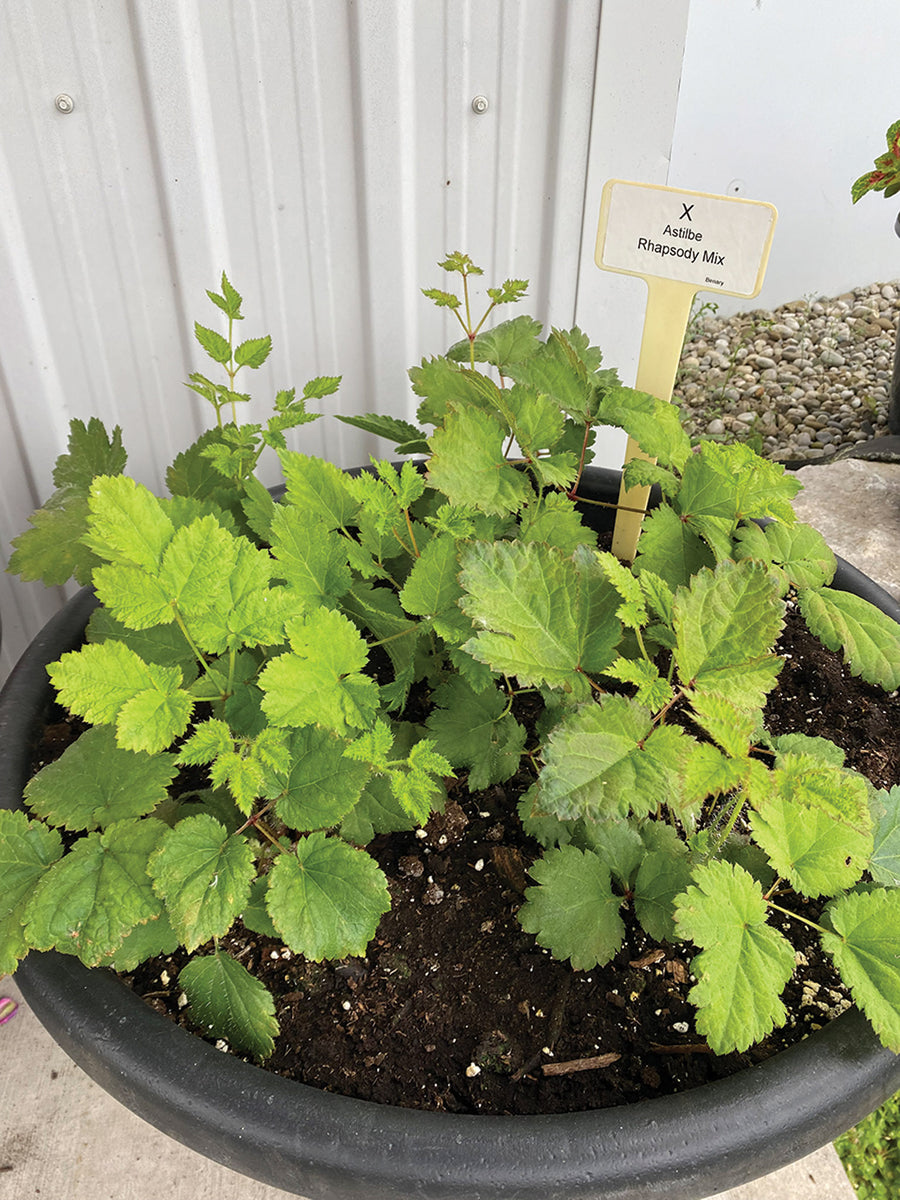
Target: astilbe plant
[(247, 676)]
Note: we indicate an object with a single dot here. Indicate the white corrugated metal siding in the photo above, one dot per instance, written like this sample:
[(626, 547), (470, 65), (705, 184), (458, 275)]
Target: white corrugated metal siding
[(325, 154)]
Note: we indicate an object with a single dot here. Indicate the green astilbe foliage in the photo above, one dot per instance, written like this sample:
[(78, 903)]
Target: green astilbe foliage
[(248, 673)]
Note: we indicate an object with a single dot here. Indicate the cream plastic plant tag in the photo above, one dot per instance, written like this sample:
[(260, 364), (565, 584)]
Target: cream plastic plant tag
[(680, 242)]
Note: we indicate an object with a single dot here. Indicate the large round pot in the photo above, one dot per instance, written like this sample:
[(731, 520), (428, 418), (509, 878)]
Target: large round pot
[(328, 1147)]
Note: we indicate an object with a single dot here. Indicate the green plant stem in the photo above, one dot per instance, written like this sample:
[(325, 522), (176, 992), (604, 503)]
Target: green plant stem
[(795, 916), (412, 536), (729, 826), (195, 649)]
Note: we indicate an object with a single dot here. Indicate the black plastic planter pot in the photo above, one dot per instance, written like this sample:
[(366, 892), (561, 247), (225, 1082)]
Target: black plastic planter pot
[(327, 1147)]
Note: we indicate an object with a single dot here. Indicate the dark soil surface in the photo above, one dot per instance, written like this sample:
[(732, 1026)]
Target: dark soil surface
[(455, 1008)]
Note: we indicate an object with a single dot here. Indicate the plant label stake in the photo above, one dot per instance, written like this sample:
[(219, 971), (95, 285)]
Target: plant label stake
[(681, 243)]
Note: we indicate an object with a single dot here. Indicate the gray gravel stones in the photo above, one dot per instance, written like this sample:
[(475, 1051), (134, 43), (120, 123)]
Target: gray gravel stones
[(803, 382)]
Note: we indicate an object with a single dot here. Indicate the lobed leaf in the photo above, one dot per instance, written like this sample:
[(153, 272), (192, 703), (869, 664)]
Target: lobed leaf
[(469, 466), (476, 730), (541, 616), (203, 874), (743, 965), (319, 680), (805, 845), (27, 849), (573, 912), (865, 946), (327, 898), (607, 759), (88, 901), (95, 783), (322, 783), (727, 619), (128, 525)]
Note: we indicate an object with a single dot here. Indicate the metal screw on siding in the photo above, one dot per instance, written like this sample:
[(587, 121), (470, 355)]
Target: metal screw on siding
[(64, 103), (480, 104)]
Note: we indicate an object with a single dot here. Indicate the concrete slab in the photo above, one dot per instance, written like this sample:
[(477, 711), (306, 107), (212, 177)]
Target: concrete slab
[(63, 1138), (855, 505)]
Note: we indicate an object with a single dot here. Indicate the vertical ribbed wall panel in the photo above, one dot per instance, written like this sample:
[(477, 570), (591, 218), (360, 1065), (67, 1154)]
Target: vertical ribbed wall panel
[(325, 153)]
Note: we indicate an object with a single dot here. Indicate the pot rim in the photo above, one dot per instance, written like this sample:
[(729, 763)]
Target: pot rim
[(328, 1146)]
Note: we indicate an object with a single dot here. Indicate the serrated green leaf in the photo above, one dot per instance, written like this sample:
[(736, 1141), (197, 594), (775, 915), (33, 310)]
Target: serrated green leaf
[(563, 368), (440, 298), (573, 912), (743, 965), (150, 940), (253, 352), (800, 553), (868, 638), (398, 431), (811, 781), (95, 782), (318, 487), (133, 597), (654, 424), (476, 730), (98, 680), (376, 811), (618, 844), (192, 473), (670, 550), (127, 525), (418, 786), (242, 775), (203, 874), (632, 612), (865, 946), (884, 864), (91, 451), (248, 612), (727, 724), (801, 743), (653, 690), (541, 616), (165, 645), (506, 343), (208, 740), (662, 876), (728, 619), (326, 899), (732, 483), (606, 759), (87, 902), (226, 1001), (322, 784), (153, 719), (27, 849), (468, 465), (213, 343), (708, 772), (818, 855), (320, 680), (196, 565), (554, 520), (53, 549), (432, 585)]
